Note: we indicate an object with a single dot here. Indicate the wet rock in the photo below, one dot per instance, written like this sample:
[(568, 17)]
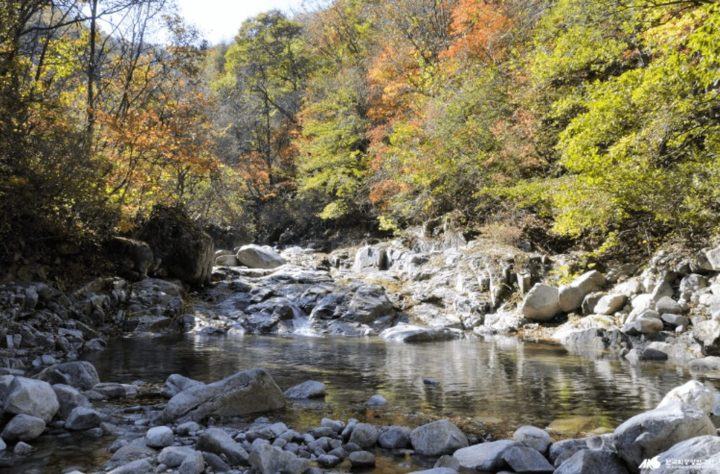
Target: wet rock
[(410, 333), (707, 333), (533, 437), (523, 459), (176, 383), (394, 437), (82, 419), (541, 303), (140, 466), (694, 450), (561, 451), (255, 256), (78, 374), (22, 449), (309, 389), (247, 392), (159, 437), (648, 434), (592, 462), (362, 459), (133, 451), (31, 397), (484, 456), (179, 244), (23, 428), (693, 394), (610, 304), (69, 398), (376, 401), (364, 435), (216, 440), (437, 438), (266, 459)]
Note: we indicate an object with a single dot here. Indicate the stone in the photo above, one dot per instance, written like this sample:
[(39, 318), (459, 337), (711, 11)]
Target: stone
[(692, 450), (140, 466), (215, 462), (187, 428), (484, 456), (594, 341), (255, 256), (589, 282), (173, 456), (541, 303), (159, 437), (69, 397), (335, 425), (180, 246), (194, 463), (570, 298), (675, 320), (591, 462), (437, 438), (31, 397), (394, 437), (610, 304), (133, 451), (705, 364), (22, 449), (3, 446), (709, 259), (23, 428), (523, 459), (245, 393), (369, 303), (176, 383), (370, 258), (328, 461), (308, 389), (364, 435), (226, 260), (82, 419), (362, 459), (561, 451), (647, 322), (266, 459), (693, 394), (533, 437), (668, 305), (707, 333), (436, 470), (636, 355), (410, 333), (79, 374), (216, 440), (376, 401), (648, 434)]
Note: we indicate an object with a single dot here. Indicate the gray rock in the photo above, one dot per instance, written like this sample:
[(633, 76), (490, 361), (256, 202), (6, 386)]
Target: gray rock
[(709, 259), (247, 392), (693, 394), (437, 438), (523, 459), (410, 333), (266, 459), (308, 389), (112, 391), (594, 341), (364, 435), (3, 446), (693, 450), (362, 459), (189, 427), (436, 470), (394, 437), (31, 397), (610, 304), (22, 449), (648, 434), (335, 425), (78, 374), (592, 462), (561, 451), (69, 398), (140, 466), (368, 304), (328, 461), (376, 401), (82, 418), (215, 462), (541, 303), (159, 437), (194, 463), (255, 256), (636, 355), (370, 258), (484, 456), (226, 260), (216, 440), (533, 437), (23, 428), (707, 333), (647, 322), (675, 320), (589, 282), (133, 451), (176, 383), (173, 456), (570, 298), (668, 305), (705, 364)]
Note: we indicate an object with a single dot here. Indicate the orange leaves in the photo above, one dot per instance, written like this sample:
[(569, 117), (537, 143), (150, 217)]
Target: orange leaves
[(479, 26)]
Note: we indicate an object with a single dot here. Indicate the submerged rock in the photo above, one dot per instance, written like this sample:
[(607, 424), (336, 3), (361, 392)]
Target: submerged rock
[(410, 333), (484, 456), (23, 428), (308, 389)]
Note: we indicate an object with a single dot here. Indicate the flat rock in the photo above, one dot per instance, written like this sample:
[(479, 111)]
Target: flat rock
[(484, 456), (410, 333), (308, 389)]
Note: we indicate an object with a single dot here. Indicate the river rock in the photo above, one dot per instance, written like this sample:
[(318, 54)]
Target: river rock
[(3, 446), (484, 456), (69, 398), (370, 258), (82, 419), (668, 305), (133, 451), (541, 303), (266, 459), (181, 247), (693, 394), (610, 304), (23, 428), (364, 435), (591, 462), (705, 364), (636, 355), (369, 303), (22, 449), (394, 437), (226, 260), (707, 333), (362, 459), (594, 341), (693, 450), (159, 437), (247, 392), (376, 400), (216, 440), (436, 470), (561, 451), (437, 438), (410, 333), (305, 390), (140, 466), (255, 256), (176, 383), (648, 434), (132, 258), (523, 459), (570, 298), (708, 260), (645, 322), (78, 374), (533, 437), (328, 460), (31, 397)]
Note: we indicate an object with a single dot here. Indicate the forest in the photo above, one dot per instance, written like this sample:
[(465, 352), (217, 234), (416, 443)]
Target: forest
[(593, 123)]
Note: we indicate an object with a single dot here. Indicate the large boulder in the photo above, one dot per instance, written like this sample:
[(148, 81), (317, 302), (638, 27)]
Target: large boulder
[(31, 397), (368, 304), (216, 440), (182, 249), (646, 435), (83, 418), (691, 452), (484, 456), (693, 394), (370, 258), (132, 258), (533, 437), (524, 459), (255, 256), (707, 333), (541, 303), (23, 428), (364, 435), (78, 374), (247, 392), (437, 438), (410, 333), (69, 398)]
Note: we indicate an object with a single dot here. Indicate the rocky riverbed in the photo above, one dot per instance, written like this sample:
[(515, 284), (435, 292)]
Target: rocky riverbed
[(411, 290)]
